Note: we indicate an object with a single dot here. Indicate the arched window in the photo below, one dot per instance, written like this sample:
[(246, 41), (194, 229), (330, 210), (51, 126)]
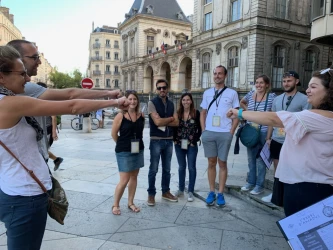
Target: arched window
[(233, 69), (205, 70), (309, 65), (279, 58)]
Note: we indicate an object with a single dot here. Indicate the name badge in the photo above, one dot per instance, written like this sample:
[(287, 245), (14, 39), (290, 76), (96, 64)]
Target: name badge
[(255, 125), (281, 132), (216, 121), (184, 144), (135, 146)]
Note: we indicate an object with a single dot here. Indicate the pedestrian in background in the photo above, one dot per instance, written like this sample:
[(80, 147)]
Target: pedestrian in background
[(306, 159), (259, 100), (186, 137), (127, 130), (22, 201)]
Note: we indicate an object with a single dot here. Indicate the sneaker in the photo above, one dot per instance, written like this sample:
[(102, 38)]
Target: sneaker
[(220, 200), (211, 198), (267, 198), (179, 193), (247, 187), (57, 163), (169, 197), (257, 190), (151, 200), (190, 197)]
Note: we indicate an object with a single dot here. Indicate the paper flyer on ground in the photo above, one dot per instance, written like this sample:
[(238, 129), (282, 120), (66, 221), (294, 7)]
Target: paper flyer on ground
[(310, 228)]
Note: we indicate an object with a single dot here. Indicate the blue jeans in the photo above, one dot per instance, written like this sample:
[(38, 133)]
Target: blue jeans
[(257, 168), (25, 220), (160, 149), (191, 154)]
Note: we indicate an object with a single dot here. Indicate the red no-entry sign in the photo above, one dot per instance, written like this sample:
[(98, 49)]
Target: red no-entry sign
[(87, 83)]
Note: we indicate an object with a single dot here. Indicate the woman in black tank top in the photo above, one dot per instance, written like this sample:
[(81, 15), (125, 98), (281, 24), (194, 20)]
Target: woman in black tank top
[(127, 132)]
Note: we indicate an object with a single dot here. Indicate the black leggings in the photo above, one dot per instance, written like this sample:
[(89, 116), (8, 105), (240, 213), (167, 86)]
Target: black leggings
[(301, 195)]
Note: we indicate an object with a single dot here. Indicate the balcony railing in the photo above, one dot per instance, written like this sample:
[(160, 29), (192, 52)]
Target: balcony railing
[(107, 72), (96, 58), (96, 72), (116, 46), (107, 45), (96, 45), (116, 73)]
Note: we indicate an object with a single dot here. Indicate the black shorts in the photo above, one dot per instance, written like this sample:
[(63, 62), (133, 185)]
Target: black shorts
[(275, 149)]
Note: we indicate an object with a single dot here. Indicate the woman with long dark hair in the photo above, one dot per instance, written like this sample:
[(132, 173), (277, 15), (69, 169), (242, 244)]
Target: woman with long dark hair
[(306, 158), (127, 130), (186, 136)]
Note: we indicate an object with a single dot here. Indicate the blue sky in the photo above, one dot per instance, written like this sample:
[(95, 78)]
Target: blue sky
[(61, 28)]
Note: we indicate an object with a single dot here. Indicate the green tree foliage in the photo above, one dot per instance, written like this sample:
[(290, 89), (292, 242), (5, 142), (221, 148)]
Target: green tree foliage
[(65, 80)]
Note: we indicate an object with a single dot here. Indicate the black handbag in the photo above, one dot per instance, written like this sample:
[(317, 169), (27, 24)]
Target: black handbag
[(57, 200)]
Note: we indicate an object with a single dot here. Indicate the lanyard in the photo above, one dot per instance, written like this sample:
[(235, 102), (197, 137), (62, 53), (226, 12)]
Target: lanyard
[(134, 124), (216, 94), (289, 100), (255, 102)]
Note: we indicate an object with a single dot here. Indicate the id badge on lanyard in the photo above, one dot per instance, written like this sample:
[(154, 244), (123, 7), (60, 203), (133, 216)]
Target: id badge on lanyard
[(184, 143), (135, 146), (216, 121)]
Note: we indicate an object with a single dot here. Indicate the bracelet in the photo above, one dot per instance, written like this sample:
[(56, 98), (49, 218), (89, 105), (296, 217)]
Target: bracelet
[(240, 114), (268, 139)]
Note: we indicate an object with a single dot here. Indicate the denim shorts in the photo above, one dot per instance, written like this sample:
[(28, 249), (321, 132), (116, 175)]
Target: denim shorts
[(128, 162), (216, 144)]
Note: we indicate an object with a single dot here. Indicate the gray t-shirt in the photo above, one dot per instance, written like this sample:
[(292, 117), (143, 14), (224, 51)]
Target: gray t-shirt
[(34, 90), (298, 103)]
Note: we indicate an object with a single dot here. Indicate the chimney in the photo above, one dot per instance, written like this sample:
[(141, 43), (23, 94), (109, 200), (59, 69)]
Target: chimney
[(5, 11), (11, 18), (93, 26)]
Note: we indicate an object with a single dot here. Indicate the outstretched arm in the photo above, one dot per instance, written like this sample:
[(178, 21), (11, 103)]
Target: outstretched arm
[(264, 118)]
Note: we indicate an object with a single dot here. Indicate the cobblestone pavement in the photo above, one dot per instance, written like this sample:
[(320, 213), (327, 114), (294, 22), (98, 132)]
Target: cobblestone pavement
[(89, 175)]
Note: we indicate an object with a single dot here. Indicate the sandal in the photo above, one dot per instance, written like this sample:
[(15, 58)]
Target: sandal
[(134, 208), (116, 210)]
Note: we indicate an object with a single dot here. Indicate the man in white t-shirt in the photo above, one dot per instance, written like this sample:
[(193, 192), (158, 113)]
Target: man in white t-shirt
[(217, 131)]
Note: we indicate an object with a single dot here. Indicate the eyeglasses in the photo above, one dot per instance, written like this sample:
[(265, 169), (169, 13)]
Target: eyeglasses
[(35, 58), (21, 73), (289, 99), (162, 87)]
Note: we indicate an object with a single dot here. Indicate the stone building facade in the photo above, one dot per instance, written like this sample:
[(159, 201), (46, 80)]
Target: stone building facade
[(43, 72), (104, 58), (8, 31), (252, 37), (155, 34)]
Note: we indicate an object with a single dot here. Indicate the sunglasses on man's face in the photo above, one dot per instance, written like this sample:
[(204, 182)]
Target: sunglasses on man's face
[(162, 87), (35, 58)]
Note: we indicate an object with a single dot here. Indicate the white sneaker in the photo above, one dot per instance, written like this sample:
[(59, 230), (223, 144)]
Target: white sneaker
[(247, 187), (267, 198), (179, 193), (190, 197), (257, 190)]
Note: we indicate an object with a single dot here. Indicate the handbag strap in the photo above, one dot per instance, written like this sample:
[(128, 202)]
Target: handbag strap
[(264, 108), (28, 170)]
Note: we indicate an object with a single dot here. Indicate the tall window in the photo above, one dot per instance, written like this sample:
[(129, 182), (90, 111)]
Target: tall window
[(236, 9), (116, 44), (318, 8), (150, 44), (107, 83), (107, 43), (116, 69), (132, 79), (278, 65), (309, 66), (208, 21), (107, 68), (116, 83), (281, 9), (125, 50), (97, 82), (107, 54), (96, 67), (233, 69), (208, 1), (116, 56), (205, 70), (132, 47)]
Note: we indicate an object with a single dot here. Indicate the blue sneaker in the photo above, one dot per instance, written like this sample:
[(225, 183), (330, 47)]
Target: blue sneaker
[(220, 200), (211, 198)]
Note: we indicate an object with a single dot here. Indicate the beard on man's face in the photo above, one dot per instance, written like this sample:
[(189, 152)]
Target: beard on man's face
[(290, 89)]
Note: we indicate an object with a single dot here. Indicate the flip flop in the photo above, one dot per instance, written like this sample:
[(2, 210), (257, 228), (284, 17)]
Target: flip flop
[(116, 210), (134, 208)]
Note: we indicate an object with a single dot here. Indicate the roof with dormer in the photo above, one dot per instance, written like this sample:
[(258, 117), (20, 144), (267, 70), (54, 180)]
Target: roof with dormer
[(168, 9)]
